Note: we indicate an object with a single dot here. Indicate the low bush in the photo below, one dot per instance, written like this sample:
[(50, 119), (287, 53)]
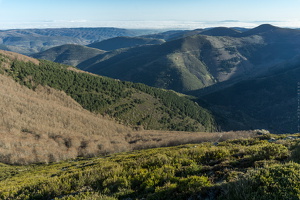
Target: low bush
[(202, 171), (275, 182)]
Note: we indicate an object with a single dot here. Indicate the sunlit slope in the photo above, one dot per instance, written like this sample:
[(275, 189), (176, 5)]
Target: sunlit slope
[(60, 109)]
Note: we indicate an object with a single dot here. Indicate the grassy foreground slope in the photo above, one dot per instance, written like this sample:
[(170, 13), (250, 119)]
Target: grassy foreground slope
[(257, 168)]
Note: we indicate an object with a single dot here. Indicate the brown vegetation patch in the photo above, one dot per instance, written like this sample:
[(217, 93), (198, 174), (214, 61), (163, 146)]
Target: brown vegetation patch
[(19, 57), (47, 125), (153, 139)]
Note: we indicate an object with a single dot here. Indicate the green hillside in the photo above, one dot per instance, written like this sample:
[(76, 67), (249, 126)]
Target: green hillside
[(258, 168), (69, 54), (191, 60), (129, 103), (124, 42), (182, 65), (198, 61), (172, 65)]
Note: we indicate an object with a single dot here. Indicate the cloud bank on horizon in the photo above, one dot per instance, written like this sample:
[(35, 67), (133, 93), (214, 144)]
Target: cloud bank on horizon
[(163, 14), (166, 25)]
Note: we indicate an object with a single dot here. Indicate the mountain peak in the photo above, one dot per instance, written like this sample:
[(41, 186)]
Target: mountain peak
[(266, 27), (260, 29), (220, 31)]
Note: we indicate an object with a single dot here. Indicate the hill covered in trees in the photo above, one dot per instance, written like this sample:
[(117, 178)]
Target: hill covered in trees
[(45, 105), (130, 103), (69, 54)]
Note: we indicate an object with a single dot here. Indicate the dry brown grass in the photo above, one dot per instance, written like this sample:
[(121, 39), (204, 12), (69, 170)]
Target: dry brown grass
[(153, 139), (16, 56), (47, 125)]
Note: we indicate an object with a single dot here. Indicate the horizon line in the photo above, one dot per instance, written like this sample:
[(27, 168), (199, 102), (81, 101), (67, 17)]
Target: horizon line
[(143, 24)]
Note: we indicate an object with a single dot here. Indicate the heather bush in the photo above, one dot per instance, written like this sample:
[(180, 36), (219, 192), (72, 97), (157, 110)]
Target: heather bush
[(270, 151), (274, 182)]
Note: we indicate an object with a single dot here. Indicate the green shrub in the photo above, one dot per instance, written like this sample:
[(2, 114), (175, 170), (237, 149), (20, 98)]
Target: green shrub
[(276, 182), (86, 196), (216, 154), (193, 184), (271, 151), (295, 155), (157, 161), (167, 191), (115, 184), (192, 169)]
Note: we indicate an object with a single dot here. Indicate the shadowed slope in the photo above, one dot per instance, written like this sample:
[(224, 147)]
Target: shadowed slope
[(124, 42), (268, 102)]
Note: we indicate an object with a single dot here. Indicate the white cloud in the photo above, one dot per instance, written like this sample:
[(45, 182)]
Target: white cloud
[(288, 24), (144, 24)]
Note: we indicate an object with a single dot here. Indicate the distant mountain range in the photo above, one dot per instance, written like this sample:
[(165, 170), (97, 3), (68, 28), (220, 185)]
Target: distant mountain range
[(196, 60), (29, 41), (214, 64)]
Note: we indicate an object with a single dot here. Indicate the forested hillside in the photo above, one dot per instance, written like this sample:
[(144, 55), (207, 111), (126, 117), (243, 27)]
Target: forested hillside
[(129, 103), (69, 54)]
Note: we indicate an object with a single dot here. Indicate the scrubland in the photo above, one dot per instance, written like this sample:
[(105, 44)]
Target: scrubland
[(257, 168)]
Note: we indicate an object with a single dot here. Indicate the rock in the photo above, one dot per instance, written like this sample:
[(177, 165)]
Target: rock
[(262, 132), (272, 140)]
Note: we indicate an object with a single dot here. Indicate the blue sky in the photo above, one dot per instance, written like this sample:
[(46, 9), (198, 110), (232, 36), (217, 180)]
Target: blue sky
[(183, 11)]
